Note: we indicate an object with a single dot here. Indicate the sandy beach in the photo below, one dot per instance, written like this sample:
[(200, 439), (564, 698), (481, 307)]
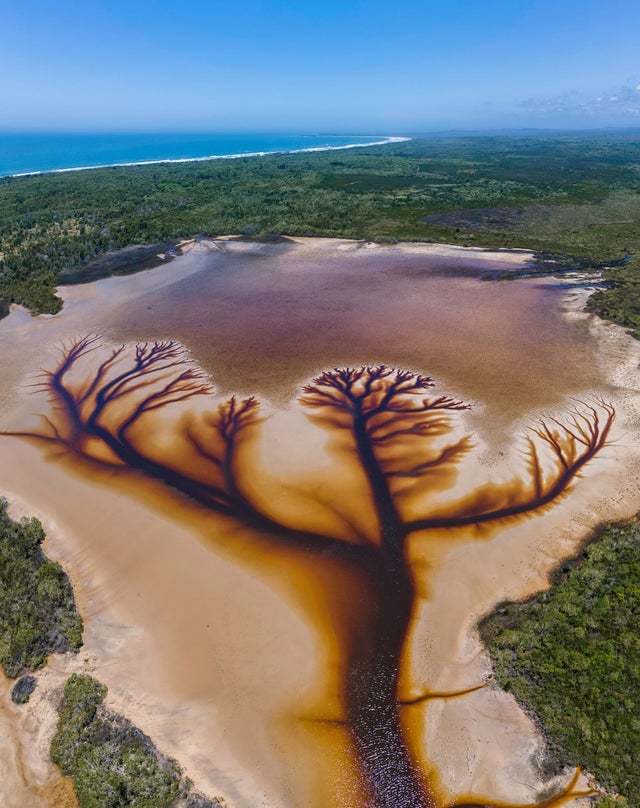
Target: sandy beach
[(228, 654)]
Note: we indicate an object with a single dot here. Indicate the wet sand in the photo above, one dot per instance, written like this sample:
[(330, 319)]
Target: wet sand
[(240, 652)]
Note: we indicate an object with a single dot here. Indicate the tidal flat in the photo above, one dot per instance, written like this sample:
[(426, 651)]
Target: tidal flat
[(231, 649)]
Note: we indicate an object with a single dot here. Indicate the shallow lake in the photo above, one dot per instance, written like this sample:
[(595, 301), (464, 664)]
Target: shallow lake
[(235, 647)]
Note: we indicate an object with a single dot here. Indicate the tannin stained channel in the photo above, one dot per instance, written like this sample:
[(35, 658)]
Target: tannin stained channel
[(105, 407)]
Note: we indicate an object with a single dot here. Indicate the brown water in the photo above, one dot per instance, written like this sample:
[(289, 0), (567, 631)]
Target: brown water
[(246, 644), (264, 318)]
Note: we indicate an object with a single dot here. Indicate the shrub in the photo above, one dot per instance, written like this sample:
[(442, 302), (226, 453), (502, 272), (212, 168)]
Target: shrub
[(571, 655), (112, 763), (38, 613)]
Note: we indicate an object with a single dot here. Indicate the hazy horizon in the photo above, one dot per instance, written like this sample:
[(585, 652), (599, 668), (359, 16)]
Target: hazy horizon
[(301, 131), (365, 68)]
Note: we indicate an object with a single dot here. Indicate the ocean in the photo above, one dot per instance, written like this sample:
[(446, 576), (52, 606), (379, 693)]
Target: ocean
[(40, 152)]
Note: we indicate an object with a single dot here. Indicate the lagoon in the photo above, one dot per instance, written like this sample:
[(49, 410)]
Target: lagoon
[(234, 645)]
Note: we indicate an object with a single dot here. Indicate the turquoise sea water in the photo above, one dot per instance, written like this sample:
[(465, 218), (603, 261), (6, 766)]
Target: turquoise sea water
[(27, 153)]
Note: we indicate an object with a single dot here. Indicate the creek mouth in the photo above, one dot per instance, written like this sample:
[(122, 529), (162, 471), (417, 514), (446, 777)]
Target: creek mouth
[(212, 601)]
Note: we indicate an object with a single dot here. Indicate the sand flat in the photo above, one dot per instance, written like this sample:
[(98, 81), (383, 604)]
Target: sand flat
[(224, 656)]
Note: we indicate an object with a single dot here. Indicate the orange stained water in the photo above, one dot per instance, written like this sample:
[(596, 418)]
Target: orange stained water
[(244, 643)]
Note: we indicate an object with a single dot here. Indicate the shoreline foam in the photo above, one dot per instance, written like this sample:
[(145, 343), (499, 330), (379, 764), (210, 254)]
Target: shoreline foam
[(238, 156)]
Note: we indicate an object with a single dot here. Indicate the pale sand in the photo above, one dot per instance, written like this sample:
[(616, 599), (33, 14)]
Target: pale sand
[(213, 655), (482, 743)]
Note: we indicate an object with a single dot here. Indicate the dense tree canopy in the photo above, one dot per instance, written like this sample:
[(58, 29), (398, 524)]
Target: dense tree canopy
[(37, 609), (573, 195), (572, 654)]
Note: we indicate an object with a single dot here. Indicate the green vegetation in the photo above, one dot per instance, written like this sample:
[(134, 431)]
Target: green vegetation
[(112, 763), (37, 610), (620, 302), (574, 195), (571, 655)]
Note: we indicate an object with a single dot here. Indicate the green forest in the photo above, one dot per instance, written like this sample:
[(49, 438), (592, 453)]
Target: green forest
[(111, 762), (575, 197), (571, 654), (38, 614)]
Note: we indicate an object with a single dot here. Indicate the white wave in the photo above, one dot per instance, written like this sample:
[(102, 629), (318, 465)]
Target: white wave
[(384, 142)]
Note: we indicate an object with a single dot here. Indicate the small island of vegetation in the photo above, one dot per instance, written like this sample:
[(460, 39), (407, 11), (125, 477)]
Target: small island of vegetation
[(112, 763), (38, 614)]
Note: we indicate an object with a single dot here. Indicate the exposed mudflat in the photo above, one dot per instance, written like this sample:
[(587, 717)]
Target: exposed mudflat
[(230, 654)]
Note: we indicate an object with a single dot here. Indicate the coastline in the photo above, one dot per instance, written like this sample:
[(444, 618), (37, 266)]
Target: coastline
[(237, 156)]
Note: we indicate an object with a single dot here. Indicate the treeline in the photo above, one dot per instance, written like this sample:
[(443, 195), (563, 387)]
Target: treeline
[(57, 222), (571, 655), (110, 761), (38, 614)]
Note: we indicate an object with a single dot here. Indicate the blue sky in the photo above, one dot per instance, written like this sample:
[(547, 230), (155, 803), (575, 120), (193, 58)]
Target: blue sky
[(333, 66)]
